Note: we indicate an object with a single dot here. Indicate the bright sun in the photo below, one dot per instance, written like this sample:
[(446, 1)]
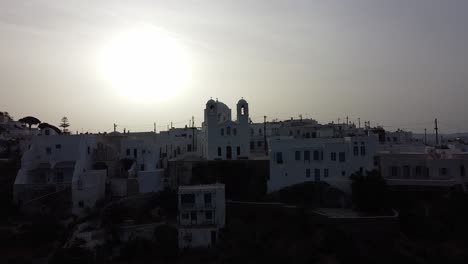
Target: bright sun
[(145, 65)]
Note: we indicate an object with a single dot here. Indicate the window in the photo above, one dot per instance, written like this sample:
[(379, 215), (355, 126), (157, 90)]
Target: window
[(462, 170), (238, 151), (406, 171), (306, 155), (209, 215), (260, 131), (89, 150), (59, 177), (222, 131), (135, 153), (443, 172), (47, 132), (279, 157), (333, 156), (81, 204), (259, 143), (298, 155), (342, 157), (363, 150), (228, 131), (394, 171), (193, 215), (356, 150), (325, 173), (234, 131), (219, 151), (418, 171), (207, 198), (142, 167), (48, 151), (252, 145), (79, 185), (58, 146), (316, 155), (187, 199), (189, 147), (307, 173), (185, 216), (128, 152), (317, 173), (343, 173)]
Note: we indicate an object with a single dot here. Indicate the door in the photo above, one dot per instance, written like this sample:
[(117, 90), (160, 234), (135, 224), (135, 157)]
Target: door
[(213, 237), (228, 152)]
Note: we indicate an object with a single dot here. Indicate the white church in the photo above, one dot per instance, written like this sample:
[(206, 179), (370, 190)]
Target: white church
[(222, 137)]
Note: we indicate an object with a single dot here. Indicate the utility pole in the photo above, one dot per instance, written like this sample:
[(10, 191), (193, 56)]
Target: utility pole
[(425, 136), (264, 135), (193, 133), (154, 127), (437, 132)]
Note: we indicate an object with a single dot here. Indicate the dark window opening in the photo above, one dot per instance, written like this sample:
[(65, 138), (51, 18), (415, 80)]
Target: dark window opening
[(187, 199), (298, 155), (342, 157), (279, 157), (207, 198)]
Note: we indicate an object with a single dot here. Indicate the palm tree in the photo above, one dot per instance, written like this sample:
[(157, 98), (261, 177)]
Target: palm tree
[(30, 120)]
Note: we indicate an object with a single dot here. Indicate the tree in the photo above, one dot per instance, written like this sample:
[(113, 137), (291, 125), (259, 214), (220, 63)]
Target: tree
[(369, 192), (46, 125), (30, 120), (64, 124)]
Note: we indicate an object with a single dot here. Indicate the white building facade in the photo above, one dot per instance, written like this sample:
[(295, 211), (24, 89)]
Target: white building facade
[(331, 160), (202, 213), (223, 138), (429, 167)]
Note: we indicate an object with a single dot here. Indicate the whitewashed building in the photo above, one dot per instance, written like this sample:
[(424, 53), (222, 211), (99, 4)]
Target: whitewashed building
[(223, 138), (332, 160), (56, 164), (202, 213), (424, 166)]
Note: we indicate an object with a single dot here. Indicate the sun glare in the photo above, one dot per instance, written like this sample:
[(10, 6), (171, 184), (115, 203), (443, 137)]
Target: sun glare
[(145, 65)]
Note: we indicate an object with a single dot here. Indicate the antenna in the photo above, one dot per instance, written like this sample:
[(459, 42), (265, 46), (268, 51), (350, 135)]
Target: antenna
[(115, 127), (264, 135), (437, 132), (193, 133), (359, 122)]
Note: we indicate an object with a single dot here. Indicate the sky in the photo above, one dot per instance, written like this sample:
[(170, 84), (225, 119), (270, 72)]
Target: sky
[(398, 63)]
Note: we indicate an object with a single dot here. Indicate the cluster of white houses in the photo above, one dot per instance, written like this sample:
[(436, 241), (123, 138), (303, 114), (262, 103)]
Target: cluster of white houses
[(89, 167)]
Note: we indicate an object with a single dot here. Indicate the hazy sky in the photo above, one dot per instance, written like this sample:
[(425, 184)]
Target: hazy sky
[(399, 63)]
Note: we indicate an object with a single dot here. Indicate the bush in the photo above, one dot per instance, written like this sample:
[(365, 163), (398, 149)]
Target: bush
[(369, 192)]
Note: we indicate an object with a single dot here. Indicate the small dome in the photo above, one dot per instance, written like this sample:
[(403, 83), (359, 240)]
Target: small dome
[(211, 101), (242, 101)]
